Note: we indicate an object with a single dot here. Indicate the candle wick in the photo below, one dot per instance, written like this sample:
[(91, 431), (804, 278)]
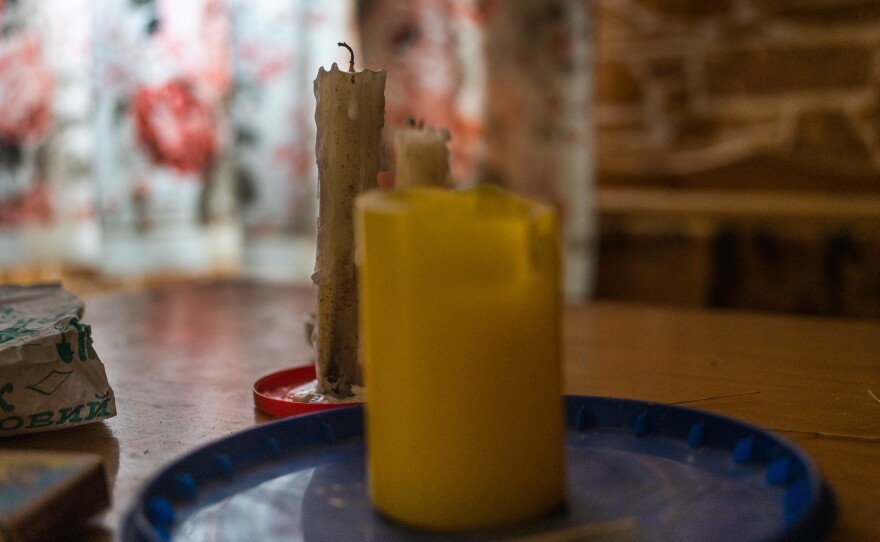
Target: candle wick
[(350, 62)]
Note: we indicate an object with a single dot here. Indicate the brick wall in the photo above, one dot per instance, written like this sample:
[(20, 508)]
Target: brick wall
[(810, 254), (781, 94)]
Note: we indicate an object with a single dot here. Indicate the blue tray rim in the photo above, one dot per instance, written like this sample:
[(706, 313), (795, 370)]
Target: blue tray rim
[(150, 516)]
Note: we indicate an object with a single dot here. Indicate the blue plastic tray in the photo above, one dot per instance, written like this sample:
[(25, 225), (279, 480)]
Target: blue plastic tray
[(636, 471)]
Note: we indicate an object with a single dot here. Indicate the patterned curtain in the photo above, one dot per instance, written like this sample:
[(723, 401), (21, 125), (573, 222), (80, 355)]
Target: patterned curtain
[(277, 48), (511, 81), (162, 82), (154, 136), (27, 86)]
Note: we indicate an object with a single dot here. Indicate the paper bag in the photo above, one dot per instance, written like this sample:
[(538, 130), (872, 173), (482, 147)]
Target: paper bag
[(50, 376)]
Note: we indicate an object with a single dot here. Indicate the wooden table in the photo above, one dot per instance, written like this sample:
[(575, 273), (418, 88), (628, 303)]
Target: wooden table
[(182, 361)]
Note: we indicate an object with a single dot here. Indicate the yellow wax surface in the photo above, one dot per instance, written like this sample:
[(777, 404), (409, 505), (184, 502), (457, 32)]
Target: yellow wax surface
[(460, 319)]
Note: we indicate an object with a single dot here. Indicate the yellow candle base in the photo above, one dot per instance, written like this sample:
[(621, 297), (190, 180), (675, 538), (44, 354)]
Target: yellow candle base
[(460, 312)]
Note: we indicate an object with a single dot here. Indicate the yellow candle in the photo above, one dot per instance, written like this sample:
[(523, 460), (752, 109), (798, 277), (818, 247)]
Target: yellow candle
[(422, 157), (349, 114), (460, 316)]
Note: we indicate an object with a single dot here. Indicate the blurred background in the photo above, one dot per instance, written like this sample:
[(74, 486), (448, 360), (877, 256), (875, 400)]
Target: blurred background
[(701, 154)]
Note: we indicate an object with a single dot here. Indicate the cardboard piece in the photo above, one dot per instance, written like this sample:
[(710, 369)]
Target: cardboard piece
[(43, 493)]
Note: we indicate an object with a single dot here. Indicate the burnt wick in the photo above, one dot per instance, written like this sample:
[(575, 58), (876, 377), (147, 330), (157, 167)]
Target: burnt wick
[(351, 52)]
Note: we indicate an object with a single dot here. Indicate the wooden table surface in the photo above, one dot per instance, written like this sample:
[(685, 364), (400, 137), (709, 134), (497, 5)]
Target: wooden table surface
[(182, 361)]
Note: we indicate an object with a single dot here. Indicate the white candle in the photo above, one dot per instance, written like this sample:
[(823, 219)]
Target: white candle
[(350, 153), (422, 157)]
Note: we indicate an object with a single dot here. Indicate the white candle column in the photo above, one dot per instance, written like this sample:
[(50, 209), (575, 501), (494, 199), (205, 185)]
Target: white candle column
[(349, 114), (422, 157)]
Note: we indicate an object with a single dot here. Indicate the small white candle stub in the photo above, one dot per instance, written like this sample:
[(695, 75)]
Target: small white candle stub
[(422, 157), (349, 114)]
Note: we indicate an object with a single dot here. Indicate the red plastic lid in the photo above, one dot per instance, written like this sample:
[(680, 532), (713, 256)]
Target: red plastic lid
[(270, 393)]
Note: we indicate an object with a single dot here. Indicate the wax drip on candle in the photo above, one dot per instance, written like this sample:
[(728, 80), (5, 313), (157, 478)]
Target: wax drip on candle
[(352, 103), (351, 61)]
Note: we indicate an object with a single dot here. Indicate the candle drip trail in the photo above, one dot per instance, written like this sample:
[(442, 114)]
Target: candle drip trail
[(350, 62)]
